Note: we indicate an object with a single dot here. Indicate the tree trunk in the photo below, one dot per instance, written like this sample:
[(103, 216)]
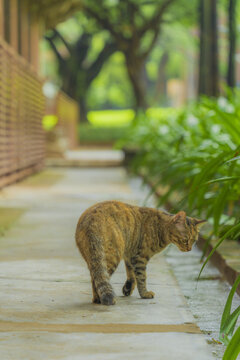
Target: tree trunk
[(83, 110), (208, 65), (231, 78), (135, 69), (161, 83)]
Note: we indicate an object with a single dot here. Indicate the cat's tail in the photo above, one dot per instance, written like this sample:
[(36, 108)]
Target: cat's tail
[(99, 272)]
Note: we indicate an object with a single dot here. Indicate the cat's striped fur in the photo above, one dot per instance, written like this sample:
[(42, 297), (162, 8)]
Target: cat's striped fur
[(110, 231)]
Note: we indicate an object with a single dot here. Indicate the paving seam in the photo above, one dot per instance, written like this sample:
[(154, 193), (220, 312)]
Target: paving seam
[(8, 326)]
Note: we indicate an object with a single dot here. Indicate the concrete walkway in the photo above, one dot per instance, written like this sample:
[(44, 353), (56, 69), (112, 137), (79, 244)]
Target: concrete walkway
[(46, 310)]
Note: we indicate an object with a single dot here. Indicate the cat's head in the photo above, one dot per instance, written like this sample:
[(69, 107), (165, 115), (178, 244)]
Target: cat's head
[(184, 230)]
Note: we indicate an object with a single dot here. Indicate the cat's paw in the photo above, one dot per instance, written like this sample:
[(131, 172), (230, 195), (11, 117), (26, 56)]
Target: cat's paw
[(128, 288), (148, 295), (96, 300), (108, 299)]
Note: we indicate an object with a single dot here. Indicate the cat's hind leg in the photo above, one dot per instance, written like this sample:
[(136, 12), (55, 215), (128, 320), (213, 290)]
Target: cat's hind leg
[(131, 281), (102, 288)]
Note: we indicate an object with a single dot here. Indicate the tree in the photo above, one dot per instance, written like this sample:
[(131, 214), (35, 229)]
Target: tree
[(208, 63), (53, 11), (76, 70), (232, 9), (134, 25), (171, 58)]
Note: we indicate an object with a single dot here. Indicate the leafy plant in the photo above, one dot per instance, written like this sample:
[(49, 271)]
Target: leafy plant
[(233, 348), (229, 320), (193, 158), (194, 155)]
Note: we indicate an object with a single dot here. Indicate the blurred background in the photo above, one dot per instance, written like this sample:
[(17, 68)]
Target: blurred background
[(116, 57), (157, 79)]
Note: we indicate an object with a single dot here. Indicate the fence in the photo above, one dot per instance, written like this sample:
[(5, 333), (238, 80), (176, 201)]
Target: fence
[(64, 136), (22, 139), (68, 113)]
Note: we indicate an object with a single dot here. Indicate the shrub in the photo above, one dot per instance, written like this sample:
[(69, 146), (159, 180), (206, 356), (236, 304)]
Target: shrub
[(195, 155)]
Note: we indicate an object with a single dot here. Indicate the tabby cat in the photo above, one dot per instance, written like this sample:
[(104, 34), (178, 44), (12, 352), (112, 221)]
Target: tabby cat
[(112, 230)]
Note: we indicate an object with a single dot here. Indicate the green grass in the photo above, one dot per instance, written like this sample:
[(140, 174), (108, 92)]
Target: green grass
[(109, 126), (162, 113), (118, 118), (89, 134), (111, 118)]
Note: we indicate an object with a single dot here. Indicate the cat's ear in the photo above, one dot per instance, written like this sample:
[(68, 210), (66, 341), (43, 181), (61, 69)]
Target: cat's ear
[(198, 222), (180, 217), (179, 220)]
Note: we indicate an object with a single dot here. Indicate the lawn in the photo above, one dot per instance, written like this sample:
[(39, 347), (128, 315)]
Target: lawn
[(111, 118), (108, 126)]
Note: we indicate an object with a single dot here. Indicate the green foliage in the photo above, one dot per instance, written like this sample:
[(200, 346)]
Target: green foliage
[(89, 134), (118, 118), (228, 324), (233, 348), (106, 126), (111, 118), (234, 230), (49, 122), (111, 89), (194, 154), (229, 320)]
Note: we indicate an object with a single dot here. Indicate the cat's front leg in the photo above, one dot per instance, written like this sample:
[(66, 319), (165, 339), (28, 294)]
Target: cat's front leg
[(139, 266), (95, 299), (131, 281)]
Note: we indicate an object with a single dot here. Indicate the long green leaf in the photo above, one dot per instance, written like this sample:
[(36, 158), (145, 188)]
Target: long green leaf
[(228, 233), (225, 178), (233, 348), (233, 159), (228, 321), (218, 206), (227, 308), (202, 176), (229, 326)]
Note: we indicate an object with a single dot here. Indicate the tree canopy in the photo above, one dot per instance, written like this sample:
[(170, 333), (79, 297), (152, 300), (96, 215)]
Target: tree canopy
[(135, 27), (54, 11), (152, 42)]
